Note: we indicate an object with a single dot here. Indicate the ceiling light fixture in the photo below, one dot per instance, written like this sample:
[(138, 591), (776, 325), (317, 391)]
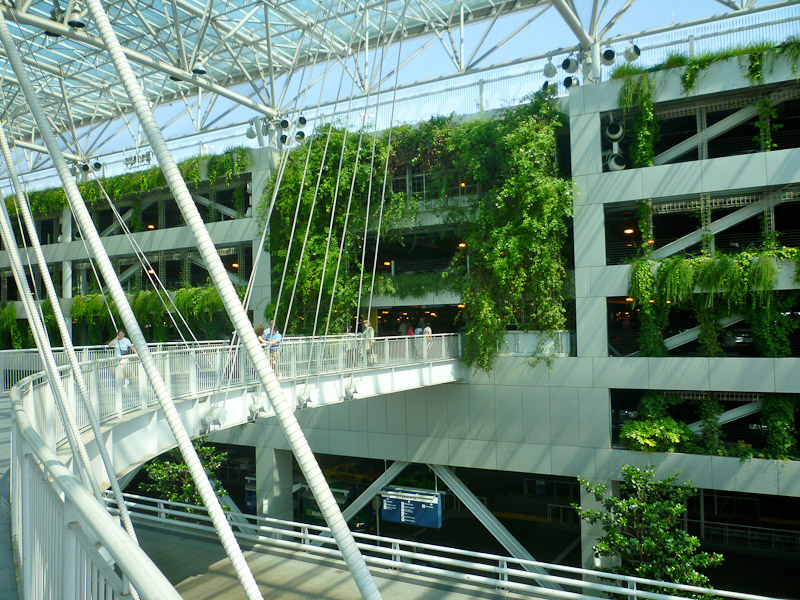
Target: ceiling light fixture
[(77, 19)]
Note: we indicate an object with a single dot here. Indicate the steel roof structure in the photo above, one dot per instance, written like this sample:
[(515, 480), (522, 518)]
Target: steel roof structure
[(208, 60)]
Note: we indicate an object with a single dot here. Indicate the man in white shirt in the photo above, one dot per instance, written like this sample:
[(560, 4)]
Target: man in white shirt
[(122, 347)]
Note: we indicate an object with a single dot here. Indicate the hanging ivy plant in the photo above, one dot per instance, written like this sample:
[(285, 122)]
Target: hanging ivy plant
[(10, 326), (777, 414), (637, 95), (710, 409)]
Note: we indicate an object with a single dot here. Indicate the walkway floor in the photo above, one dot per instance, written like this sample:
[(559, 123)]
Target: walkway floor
[(281, 575), (8, 582)]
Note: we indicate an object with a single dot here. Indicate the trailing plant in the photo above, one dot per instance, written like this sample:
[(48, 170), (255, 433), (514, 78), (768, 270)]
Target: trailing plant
[(710, 409), (643, 527), (766, 123), (772, 323), (415, 285), (10, 327), (710, 330), (637, 95), (653, 405), (653, 314), (777, 414)]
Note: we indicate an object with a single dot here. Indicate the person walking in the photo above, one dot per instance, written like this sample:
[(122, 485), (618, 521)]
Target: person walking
[(122, 347), (369, 343)]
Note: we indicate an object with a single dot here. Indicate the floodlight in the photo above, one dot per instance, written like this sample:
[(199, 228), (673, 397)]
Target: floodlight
[(299, 136), (614, 131), (264, 127), (615, 162), (251, 132), (85, 167), (175, 78), (96, 165), (284, 138), (301, 120), (632, 52), (77, 19), (607, 57), (570, 65), (550, 69), (570, 81), (285, 124), (546, 85), (199, 67)]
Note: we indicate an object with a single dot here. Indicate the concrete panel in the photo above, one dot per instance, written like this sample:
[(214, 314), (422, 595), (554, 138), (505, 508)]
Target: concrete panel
[(742, 374), (523, 458), (731, 172), (594, 417), (575, 101), (755, 476), (625, 373), (583, 280), (477, 454), (600, 98), (482, 413), (339, 415), (580, 194), (787, 375), (359, 414), (723, 77), (678, 373), (535, 415), (672, 180), (564, 430), (387, 446), (692, 467), (272, 437), (584, 136), (436, 412), (571, 372), (433, 450), (610, 281), (619, 186), (314, 417), (376, 414), (458, 413), (416, 412), (608, 463), (319, 440), (396, 413), (782, 166), (508, 417), (349, 443), (592, 331), (590, 239), (458, 453), (571, 462), (789, 478), (518, 369)]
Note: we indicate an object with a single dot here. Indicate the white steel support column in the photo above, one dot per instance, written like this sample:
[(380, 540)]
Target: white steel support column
[(30, 227), (244, 328), (489, 521), (89, 232)]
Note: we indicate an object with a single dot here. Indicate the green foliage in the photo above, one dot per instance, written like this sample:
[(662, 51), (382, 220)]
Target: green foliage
[(657, 435), (710, 409), (169, 478), (766, 125), (131, 186), (515, 242), (10, 327), (415, 285), (637, 95), (339, 198), (644, 528), (777, 414)]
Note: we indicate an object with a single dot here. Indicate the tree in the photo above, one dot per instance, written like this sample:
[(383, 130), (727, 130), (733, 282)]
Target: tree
[(169, 476), (643, 527)]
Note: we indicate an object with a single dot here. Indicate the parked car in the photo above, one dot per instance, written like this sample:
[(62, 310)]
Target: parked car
[(354, 472)]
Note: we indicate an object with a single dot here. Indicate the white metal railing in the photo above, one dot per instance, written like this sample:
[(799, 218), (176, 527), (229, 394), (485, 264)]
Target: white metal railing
[(68, 544), (120, 386), (437, 563), (748, 536)]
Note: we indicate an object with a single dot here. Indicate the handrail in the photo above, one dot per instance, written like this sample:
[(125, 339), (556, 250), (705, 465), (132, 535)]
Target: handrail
[(466, 564), (147, 579)]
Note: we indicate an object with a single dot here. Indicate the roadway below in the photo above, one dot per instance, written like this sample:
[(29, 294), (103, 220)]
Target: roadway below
[(199, 570)]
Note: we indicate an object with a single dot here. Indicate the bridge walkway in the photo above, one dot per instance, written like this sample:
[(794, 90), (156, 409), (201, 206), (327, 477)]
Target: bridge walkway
[(283, 574)]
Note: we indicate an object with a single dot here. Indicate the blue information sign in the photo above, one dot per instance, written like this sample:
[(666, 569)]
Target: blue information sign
[(423, 509)]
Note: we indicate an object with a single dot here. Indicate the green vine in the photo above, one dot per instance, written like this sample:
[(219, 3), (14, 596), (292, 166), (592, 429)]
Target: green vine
[(777, 414), (710, 409), (637, 95), (10, 326)]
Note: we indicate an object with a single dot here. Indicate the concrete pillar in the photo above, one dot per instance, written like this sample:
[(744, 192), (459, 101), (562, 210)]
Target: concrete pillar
[(590, 533), (265, 161), (274, 483)]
